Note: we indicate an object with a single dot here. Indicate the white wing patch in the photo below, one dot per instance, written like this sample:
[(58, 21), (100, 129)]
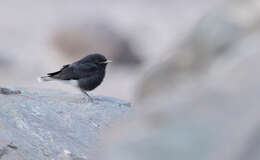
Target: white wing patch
[(74, 83)]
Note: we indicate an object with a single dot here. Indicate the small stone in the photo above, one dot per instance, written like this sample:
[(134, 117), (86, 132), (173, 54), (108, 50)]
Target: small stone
[(7, 91), (12, 146)]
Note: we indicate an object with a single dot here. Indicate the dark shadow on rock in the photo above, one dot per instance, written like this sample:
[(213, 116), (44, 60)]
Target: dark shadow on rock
[(3, 151)]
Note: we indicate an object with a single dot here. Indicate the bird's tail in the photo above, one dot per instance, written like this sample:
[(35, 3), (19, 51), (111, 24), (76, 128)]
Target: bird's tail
[(45, 79)]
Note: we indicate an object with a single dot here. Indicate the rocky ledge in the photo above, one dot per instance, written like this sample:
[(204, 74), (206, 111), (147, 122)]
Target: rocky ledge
[(49, 124)]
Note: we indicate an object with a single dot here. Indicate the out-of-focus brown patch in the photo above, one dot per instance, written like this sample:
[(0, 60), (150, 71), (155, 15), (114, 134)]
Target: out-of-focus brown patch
[(79, 40)]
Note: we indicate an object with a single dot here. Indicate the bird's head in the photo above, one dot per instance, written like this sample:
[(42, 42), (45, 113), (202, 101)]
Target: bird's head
[(97, 59)]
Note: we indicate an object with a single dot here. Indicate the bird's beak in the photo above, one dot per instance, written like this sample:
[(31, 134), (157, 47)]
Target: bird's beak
[(107, 61)]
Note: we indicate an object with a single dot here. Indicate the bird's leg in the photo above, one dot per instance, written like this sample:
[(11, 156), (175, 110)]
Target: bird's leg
[(89, 97)]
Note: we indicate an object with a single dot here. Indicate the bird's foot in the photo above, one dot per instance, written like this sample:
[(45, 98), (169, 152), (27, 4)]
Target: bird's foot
[(83, 100), (89, 98), (86, 100)]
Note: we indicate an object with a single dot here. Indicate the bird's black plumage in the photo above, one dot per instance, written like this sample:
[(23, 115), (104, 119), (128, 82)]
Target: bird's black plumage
[(88, 72)]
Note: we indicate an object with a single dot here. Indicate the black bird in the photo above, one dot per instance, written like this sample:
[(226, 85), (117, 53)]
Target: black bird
[(86, 74)]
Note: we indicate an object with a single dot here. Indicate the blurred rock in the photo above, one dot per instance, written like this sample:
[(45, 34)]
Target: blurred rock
[(207, 107), (211, 39), (48, 124), (78, 41), (218, 119)]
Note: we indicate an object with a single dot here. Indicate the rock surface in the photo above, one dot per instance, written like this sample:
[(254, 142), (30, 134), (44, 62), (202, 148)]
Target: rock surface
[(49, 124)]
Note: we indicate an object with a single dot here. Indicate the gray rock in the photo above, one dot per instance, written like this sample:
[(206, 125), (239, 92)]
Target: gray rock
[(210, 41), (49, 124), (8, 91), (218, 118), (205, 104)]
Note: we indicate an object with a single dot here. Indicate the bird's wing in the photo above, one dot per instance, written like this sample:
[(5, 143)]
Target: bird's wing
[(74, 71), (85, 69), (55, 73)]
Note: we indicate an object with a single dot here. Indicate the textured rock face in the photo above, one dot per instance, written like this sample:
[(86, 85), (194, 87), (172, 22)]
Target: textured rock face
[(44, 124)]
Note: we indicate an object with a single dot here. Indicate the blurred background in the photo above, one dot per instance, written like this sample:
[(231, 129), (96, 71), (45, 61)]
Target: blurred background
[(191, 69)]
